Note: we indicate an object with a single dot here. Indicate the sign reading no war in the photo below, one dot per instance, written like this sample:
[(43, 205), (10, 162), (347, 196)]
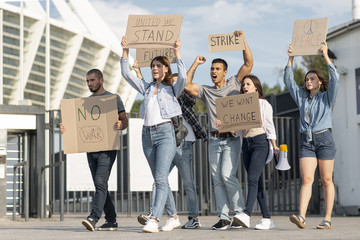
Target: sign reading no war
[(238, 112), (90, 124), (152, 31), (308, 34), (226, 42), (145, 56)]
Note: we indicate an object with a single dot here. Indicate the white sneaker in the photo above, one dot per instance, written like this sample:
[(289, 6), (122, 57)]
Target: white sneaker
[(265, 224), (151, 226), (171, 223), (242, 219)]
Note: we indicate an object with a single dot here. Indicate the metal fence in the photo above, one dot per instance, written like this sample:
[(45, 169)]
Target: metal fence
[(282, 186)]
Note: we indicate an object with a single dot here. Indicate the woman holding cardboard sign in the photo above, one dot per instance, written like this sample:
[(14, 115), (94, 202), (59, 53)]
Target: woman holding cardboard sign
[(158, 137), (258, 147), (315, 102)]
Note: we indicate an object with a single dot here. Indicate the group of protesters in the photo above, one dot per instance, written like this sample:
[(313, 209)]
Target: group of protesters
[(168, 95)]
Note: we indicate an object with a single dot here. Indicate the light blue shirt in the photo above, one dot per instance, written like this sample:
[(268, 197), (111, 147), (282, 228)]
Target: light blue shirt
[(319, 107), (169, 106)]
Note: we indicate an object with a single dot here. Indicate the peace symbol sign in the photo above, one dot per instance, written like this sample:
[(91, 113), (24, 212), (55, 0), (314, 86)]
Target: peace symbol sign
[(310, 27)]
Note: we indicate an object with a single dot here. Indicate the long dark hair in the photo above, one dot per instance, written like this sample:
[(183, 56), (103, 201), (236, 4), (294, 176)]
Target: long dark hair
[(257, 84), (164, 61), (324, 83)]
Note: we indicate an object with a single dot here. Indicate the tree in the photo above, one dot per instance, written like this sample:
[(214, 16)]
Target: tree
[(136, 106), (274, 90), (200, 106)]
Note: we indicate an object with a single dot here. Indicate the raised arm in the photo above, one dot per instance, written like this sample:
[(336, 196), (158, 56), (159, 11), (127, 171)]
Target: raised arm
[(130, 78), (180, 83), (291, 58), (324, 51), (333, 86), (245, 69), (295, 91), (137, 70), (125, 50), (192, 88)]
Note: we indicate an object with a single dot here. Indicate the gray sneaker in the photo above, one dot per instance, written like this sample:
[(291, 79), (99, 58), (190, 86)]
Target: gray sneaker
[(89, 223), (193, 223), (142, 219)]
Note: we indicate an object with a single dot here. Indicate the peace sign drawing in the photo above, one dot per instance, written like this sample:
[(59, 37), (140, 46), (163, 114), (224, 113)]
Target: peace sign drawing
[(308, 34), (310, 27)]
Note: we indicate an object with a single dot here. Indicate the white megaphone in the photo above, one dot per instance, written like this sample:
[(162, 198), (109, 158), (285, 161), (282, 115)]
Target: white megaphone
[(283, 163)]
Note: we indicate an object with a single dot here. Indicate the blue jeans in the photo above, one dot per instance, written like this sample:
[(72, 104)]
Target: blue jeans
[(183, 161), (224, 156), (255, 151), (159, 147), (100, 164)]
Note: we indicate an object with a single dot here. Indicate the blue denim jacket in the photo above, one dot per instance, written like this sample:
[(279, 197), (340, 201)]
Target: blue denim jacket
[(319, 106), (169, 106)]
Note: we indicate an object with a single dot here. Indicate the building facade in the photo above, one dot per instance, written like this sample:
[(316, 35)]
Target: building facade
[(344, 41), (79, 40)]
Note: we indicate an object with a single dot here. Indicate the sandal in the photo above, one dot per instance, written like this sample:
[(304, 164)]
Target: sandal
[(324, 225), (298, 220)]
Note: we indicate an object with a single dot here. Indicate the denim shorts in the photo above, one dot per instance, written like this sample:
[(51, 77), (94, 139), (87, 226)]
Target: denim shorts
[(321, 147)]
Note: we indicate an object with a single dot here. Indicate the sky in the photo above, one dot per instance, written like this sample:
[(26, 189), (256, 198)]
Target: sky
[(267, 25)]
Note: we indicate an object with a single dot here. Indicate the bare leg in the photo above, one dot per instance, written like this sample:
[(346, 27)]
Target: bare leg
[(326, 168), (307, 169)]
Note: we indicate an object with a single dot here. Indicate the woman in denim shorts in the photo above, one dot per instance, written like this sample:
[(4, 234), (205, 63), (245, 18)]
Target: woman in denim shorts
[(315, 102), (158, 136)]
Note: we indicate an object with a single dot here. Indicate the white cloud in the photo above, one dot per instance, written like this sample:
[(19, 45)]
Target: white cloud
[(115, 13)]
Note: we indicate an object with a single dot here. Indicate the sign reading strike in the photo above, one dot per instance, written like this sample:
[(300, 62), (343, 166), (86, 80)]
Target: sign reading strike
[(238, 112), (152, 31), (226, 42), (90, 124), (308, 34), (145, 56)]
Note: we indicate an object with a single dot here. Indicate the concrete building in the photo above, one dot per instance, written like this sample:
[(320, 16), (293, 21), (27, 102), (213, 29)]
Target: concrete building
[(344, 41), (80, 40)]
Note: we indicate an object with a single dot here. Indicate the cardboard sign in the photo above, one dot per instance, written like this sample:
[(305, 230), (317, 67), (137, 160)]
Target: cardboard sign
[(90, 124), (152, 31), (145, 56), (238, 112), (308, 34), (226, 42)]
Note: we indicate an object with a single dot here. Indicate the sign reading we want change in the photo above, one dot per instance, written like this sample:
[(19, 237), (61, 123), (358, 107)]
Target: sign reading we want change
[(308, 34), (90, 124), (226, 42), (153, 31), (238, 112)]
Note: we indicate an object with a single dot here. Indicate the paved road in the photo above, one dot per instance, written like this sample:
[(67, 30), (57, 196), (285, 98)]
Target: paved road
[(71, 228)]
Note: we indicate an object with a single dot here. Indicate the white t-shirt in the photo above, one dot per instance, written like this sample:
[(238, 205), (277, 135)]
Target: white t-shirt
[(152, 115)]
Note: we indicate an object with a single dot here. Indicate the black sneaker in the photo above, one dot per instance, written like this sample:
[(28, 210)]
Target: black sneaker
[(142, 219), (222, 224), (236, 225), (108, 226), (89, 223), (192, 223)]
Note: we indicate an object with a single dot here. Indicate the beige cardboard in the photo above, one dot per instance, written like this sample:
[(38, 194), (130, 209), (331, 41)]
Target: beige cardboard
[(153, 31), (226, 42), (308, 34), (238, 112), (145, 56), (90, 124)]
